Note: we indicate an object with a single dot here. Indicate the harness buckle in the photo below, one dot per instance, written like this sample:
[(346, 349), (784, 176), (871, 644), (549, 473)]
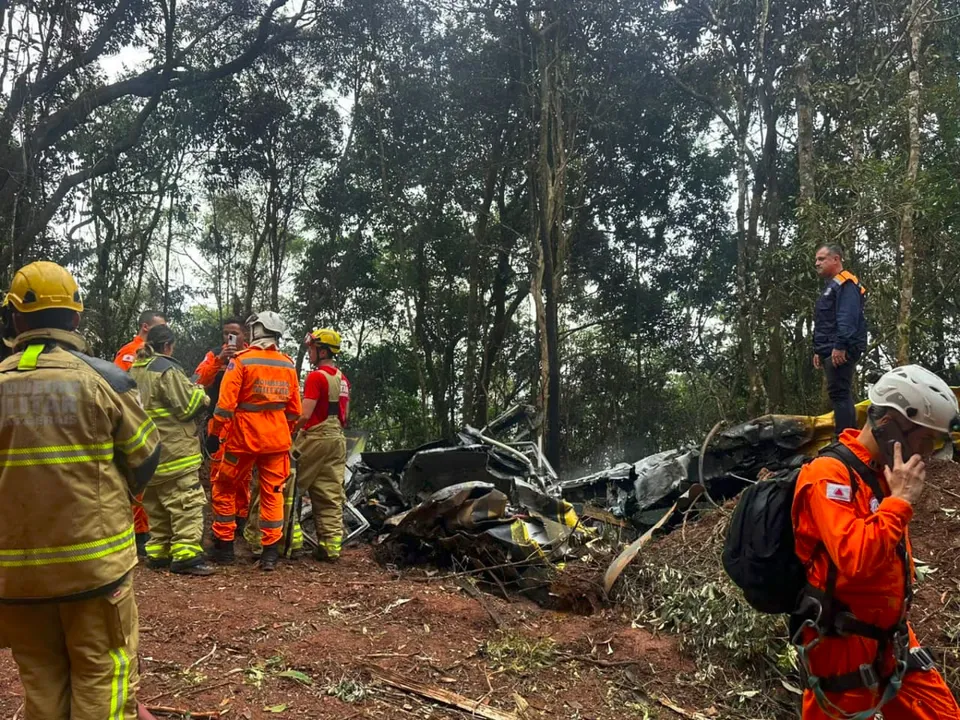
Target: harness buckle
[(869, 677), (920, 659)]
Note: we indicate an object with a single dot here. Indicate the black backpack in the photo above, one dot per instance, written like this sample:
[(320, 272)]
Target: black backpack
[(758, 551)]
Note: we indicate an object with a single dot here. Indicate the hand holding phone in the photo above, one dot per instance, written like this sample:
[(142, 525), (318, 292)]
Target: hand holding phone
[(906, 479)]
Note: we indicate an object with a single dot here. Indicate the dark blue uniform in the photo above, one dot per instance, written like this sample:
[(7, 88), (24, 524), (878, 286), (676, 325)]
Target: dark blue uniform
[(839, 324)]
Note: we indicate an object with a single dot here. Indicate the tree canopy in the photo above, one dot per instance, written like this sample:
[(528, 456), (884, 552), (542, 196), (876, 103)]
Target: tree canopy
[(608, 210)]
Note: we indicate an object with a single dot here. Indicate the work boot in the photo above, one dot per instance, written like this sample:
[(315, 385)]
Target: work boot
[(158, 563), (323, 555), (241, 526), (195, 566), (222, 552), (269, 557), (142, 539)]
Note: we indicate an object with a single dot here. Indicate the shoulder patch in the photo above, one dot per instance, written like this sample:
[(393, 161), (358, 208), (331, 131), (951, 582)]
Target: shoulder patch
[(115, 377), (232, 364), (840, 493)]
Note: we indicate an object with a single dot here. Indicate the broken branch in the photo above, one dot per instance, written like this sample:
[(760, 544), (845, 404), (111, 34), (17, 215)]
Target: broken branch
[(163, 710), (440, 695)]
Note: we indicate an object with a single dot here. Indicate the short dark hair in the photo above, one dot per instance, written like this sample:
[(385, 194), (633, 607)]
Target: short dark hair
[(147, 315), (159, 336), (232, 321), (875, 413), (55, 318), (833, 249)]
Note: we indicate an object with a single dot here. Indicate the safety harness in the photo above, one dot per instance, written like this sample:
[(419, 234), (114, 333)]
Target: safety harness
[(821, 611)]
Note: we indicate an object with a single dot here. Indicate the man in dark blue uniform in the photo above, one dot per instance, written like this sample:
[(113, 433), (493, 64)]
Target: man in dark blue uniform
[(839, 332)]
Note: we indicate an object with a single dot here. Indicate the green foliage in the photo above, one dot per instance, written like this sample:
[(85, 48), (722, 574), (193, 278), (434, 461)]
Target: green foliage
[(518, 653)]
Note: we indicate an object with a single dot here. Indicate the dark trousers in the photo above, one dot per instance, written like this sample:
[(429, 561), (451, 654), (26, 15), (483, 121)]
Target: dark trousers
[(840, 390)]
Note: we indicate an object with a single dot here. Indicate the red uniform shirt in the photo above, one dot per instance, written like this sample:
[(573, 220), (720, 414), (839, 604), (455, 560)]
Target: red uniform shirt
[(318, 388), (128, 353)]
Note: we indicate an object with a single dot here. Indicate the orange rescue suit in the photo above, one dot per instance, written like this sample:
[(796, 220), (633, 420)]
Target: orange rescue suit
[(258, 407), (208, 372), (860, 536)]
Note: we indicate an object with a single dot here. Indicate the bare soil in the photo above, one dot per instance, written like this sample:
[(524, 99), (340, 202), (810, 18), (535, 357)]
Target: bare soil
[(935, 535), (224, 643)]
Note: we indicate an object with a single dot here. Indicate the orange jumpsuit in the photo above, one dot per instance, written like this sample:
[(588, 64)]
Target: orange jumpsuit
[(124, 360), (861, 538), (208, 373), (258, 407)]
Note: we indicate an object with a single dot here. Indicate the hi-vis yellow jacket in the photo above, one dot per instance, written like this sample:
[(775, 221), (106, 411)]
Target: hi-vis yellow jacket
[(172, 401), (75, 446)]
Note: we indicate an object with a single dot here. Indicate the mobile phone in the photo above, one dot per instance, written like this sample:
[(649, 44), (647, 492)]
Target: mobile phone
[(232, 340), (887, 436)]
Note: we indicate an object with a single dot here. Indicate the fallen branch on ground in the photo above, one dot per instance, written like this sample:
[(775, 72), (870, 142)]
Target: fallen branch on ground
[(440, 695), (679, 710), (163, 710)]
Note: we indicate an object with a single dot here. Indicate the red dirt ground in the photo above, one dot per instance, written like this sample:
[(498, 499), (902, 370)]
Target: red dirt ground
[(219, 643)]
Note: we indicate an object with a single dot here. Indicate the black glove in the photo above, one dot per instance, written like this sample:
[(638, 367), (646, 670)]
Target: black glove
[(212, 444)]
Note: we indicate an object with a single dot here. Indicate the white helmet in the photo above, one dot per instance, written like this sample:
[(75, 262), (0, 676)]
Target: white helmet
[(266, 324), (922, 397)]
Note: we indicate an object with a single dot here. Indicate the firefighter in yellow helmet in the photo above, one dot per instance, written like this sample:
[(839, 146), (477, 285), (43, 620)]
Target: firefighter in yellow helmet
[(75, 447), (321, 448)]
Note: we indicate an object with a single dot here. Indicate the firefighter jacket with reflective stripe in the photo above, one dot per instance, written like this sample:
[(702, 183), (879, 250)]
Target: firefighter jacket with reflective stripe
[(173, 402), (259, 402), (75, 446)]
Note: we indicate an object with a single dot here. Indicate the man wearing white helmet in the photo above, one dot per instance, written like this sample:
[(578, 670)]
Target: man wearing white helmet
[(850, 521), (258, 406)]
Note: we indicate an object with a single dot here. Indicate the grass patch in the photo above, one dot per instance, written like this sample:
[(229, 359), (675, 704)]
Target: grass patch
[(519, 654)]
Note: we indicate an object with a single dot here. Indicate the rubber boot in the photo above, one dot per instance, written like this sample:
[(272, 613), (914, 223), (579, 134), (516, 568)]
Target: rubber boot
[(269, 557), (195, 566), (142, 539), (222, 552)]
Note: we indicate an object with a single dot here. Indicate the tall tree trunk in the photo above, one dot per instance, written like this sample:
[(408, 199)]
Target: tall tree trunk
[(908, 269), (746, 234), (477, 256), (805, 158), (166, 259), (550, 174), (775, 382)]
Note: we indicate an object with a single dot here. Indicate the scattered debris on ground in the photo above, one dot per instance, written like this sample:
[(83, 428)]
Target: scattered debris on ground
[(331, 642)]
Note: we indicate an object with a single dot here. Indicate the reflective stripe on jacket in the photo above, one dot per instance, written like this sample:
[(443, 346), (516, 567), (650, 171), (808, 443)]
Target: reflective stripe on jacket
[(75, 445), (259, 402), (173, 402)]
